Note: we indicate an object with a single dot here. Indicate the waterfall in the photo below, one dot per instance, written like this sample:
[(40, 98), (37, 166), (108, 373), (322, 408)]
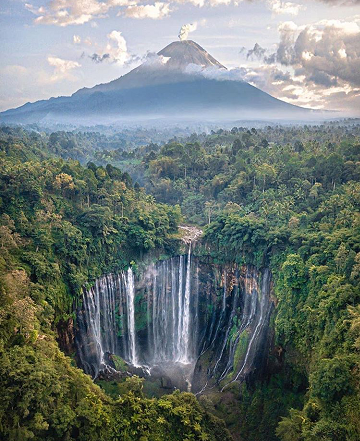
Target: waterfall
[(238, 346), (260, 324), (174, 314), (130, 293), (249, 311), (92, 311), (172, 300), (109, 320), (180, 301), (185, 312), (98, 320)]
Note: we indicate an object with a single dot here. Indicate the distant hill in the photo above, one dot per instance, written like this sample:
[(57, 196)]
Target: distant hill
[(174, 85)]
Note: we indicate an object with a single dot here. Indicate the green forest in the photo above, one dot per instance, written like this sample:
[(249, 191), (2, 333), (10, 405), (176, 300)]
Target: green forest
[(77, 205)]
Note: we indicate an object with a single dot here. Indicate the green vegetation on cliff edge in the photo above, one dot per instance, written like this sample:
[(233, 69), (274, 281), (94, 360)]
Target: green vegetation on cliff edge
[(284, 197)]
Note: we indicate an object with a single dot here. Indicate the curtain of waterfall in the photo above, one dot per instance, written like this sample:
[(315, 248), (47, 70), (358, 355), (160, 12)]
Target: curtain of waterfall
[(170, 314), (108, 317)]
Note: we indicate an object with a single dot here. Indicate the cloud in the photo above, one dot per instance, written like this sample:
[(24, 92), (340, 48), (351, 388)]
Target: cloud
[(73, 12), (281, 7), (77, 12), (99, 58), (150, 59), (257, 52), (342, 2), (115, 50), (328, 50), (154, 59), (287, 87), (223, 2), (211, 3), (199, 3), (117, 47), (62, 68), (186, 29), (315, 65), (312, 65), (214, 73), (156, 11)]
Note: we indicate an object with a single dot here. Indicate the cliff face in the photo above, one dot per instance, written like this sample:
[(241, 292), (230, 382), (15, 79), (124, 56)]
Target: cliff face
[(65, 336), (235, 308), (194, 324)]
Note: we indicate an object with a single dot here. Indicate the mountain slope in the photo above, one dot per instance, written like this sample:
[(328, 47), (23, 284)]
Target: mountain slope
[(170, 85)]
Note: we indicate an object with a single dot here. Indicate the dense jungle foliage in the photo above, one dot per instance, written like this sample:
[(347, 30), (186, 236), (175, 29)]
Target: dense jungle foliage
[(287, 197), (62, 225)]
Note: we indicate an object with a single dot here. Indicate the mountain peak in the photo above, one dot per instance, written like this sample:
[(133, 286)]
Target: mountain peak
[(160, 87), (177, 56), (185, 52)]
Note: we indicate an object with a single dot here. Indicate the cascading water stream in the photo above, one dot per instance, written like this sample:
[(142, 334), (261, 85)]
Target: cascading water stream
[(250, 306), (255, 336), (170, 315), (130, 290), (93, 315), (185, 323), (180, 302)]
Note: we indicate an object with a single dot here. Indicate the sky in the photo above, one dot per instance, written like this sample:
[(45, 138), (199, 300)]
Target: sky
[(306, 53)]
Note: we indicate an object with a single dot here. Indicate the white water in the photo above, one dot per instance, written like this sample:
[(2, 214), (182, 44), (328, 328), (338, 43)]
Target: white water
[(180, 302), (183, 352), (93, 314), (109, 320), (130, 290), (172, 324), (172, 301)]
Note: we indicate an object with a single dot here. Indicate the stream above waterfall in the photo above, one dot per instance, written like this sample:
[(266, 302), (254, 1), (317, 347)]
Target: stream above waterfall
[(193, 323)]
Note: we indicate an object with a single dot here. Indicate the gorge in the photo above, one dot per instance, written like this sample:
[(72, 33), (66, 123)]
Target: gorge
[(118, 322), (187, 320)]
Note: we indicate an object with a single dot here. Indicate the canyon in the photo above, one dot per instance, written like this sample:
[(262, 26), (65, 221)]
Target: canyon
[(194, 324)]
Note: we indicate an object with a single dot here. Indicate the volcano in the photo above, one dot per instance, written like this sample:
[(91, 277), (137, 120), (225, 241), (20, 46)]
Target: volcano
[(182, 82)]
